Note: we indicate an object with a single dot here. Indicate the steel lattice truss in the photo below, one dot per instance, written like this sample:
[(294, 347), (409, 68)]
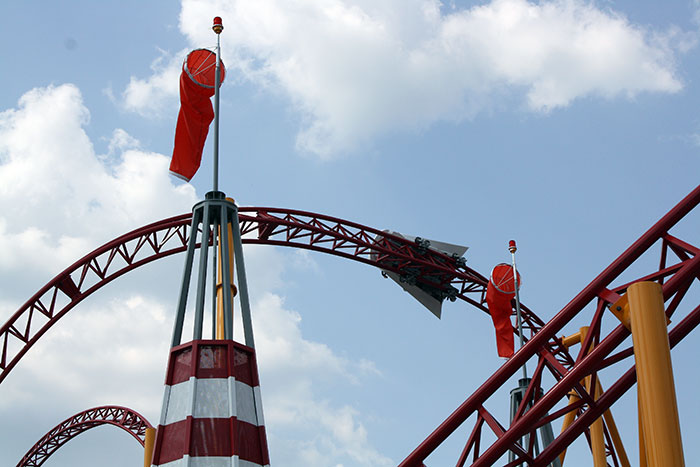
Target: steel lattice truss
[(121, 417), (678, 268), (444, 277)]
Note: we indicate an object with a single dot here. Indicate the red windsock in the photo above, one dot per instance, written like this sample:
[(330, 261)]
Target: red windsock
[(499, 292), (197, 85)]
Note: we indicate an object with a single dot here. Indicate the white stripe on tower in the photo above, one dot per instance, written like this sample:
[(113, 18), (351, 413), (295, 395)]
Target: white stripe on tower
[(209, 462), (215, 398)]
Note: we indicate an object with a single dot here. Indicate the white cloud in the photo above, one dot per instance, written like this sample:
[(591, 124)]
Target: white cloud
[(120, 141), (109, 354), (358, 69), (304, 427), (695, 139), (151, 97), (58, 198), (281, 341)]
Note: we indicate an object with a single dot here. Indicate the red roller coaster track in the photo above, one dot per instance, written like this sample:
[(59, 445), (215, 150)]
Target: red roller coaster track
[(128, 420), (445, 277), (676, 278)]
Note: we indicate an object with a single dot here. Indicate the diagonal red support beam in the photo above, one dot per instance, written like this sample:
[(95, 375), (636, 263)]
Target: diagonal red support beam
[(548, 333)]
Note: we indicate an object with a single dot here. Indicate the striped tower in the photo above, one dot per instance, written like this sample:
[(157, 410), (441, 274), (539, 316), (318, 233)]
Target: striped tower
[(212, 411)]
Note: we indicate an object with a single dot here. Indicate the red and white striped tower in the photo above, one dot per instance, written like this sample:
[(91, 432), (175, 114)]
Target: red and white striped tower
[(212, 409)]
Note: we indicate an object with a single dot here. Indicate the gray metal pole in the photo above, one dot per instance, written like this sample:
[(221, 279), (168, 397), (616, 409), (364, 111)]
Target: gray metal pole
[(516, 398), (242, 282), (215, 236), (202, 276), (186, 275), (512, 248), (217, 82)]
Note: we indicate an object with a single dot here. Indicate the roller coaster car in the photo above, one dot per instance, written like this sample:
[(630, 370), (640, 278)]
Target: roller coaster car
[(429, 296)]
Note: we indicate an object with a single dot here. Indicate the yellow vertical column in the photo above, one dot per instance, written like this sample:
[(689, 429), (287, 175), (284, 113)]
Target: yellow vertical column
[(614, 434), (642, 447), (219, 282), (573, 397), (596, 428), (148, 446), (656, 389), (597, 434), (568, 420)]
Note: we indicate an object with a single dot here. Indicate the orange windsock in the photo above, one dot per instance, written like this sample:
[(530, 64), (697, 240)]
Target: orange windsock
[(499, 293), (197, 85)]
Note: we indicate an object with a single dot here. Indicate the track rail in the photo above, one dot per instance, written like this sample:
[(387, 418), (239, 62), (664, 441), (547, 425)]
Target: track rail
[(446, 276), (678, 268), (128, 420)]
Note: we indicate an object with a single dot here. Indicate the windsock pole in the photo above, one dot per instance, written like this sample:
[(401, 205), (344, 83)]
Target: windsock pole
[(513, 248), (212, 407), (217, 27)]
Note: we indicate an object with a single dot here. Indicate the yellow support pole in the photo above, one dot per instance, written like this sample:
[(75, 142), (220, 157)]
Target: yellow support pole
[(596, 428), (656, 389), (219, 282), (607, 415), (609, 421), (642, 447), (573, 397), (148, 446), (582, 333), (568, 420), (615, 435), (571, 340), (596, 436)]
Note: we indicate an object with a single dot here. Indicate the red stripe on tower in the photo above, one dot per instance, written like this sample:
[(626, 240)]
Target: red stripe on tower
[(212, 409)]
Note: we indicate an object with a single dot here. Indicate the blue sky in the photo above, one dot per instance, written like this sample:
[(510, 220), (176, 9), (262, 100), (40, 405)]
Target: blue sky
[(570, 126)]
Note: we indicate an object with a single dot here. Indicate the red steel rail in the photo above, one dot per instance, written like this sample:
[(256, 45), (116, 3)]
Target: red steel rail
[(128, 420), (445, 276), (676, 276)]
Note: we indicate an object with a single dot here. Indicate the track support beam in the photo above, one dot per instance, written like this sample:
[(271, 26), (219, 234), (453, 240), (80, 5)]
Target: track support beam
[(149, 442), (656, 389)]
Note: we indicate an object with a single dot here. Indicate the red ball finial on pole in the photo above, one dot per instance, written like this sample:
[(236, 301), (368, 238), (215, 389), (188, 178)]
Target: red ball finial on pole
[(511, 246), (218, 25)]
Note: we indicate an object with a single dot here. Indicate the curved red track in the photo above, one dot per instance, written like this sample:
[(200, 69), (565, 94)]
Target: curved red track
[(128, 420), (269, 226), (447, 277)]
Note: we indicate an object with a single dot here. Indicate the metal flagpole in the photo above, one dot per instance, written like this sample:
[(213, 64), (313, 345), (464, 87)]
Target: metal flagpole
[(218, 27), (513, 248)]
